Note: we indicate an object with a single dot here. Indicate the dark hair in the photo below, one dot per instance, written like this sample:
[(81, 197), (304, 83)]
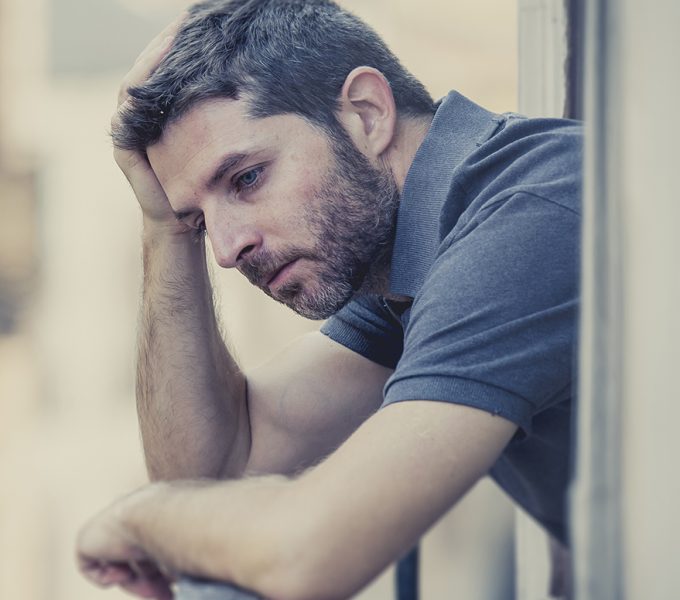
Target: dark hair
[(283, 56)]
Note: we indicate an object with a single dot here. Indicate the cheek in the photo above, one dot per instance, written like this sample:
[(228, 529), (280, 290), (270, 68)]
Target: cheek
[(300, 197), (297, 191), (309, 169)]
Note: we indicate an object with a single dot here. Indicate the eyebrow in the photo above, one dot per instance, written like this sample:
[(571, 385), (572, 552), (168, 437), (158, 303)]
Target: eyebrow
[(226, 164)]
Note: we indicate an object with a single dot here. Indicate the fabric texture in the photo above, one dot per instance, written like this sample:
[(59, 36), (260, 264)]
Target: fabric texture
[(487, 251)]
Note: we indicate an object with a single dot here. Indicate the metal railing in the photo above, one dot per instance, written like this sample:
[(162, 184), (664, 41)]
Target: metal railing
[(197, 589)]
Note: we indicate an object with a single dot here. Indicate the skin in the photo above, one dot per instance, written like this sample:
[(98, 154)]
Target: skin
[(279, 202), (380, 478)]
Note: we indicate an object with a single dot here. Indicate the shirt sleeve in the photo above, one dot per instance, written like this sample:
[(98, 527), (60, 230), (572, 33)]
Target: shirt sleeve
[(367, 327), (493, 326)]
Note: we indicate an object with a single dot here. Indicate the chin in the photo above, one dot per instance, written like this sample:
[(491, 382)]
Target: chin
[(318, 305), (316, 298)]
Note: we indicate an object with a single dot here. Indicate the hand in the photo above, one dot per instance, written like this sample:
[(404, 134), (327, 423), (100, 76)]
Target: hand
[(135, 165), (108, 555)]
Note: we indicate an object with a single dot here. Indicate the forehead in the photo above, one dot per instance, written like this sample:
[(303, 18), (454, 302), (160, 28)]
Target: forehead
[(194, 144), (204, 119), (221, 122)]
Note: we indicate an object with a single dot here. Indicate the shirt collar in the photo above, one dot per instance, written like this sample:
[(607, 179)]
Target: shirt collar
[(459, 127)]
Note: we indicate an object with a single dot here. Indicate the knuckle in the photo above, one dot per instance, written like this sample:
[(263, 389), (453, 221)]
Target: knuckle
[(123, 94), (125, 159)]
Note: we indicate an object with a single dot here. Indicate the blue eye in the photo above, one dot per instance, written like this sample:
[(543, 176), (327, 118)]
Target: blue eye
[(249, 179)]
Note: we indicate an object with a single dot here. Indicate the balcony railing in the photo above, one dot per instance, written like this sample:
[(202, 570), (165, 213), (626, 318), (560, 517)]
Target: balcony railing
[(196, 589)]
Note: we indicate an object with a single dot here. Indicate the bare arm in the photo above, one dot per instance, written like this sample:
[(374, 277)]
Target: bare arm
[(199, 417), (308, 400), (323, 535), (190, 392)]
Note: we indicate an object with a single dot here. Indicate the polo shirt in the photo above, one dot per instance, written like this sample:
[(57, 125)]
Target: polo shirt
[(487, 251)]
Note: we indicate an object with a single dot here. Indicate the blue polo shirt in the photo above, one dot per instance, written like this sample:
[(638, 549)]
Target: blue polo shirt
[(487, 252)]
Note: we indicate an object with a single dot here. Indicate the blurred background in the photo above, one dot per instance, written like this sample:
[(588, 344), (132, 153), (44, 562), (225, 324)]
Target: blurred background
[(70, 280)]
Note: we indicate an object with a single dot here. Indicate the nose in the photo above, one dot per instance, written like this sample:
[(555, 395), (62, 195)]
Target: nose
[(231, 242)]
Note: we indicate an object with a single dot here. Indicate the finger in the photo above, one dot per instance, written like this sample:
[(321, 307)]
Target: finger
[(140, 175), (150, 57), (149, 586), (141, 578), (142, 69), (107, 574), (91, 569), (116, 574), (146, 568), (161, 42), (160, 39), (151, 571)]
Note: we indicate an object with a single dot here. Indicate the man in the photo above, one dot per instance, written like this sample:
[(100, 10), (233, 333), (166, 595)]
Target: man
[(440, 239)]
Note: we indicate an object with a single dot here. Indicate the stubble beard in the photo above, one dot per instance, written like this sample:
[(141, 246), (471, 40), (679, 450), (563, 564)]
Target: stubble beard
[(352, 223)]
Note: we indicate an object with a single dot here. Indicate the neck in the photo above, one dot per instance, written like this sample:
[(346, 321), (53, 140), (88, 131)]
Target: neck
[(409, 136), (377, 279)]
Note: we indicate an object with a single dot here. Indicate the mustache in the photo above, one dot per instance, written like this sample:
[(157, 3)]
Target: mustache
[(261, 267)]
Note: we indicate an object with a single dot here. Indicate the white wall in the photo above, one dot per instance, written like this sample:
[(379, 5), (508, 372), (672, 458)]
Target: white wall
[(626, 519)]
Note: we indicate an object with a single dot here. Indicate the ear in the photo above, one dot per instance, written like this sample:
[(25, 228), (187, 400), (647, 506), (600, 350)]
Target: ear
[(368, 111)]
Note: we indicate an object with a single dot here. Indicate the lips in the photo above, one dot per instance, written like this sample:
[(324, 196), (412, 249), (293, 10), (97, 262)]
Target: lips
[(278, 277)]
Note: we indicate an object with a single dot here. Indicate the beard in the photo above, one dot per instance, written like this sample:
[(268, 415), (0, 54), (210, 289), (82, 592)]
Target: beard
[(352, 223)]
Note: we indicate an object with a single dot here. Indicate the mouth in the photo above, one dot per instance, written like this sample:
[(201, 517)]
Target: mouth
[(279, 277)]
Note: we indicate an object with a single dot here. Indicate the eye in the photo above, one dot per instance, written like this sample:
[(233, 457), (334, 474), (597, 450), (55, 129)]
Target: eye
[(249, 179), (198, 226), (196, 223)]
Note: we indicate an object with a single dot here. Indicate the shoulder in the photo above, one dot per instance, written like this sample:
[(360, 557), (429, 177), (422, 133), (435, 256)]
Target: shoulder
[(366, 326), (542, 158)]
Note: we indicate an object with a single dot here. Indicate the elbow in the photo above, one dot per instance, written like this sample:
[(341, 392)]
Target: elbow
[(298, 549), (307, 565), (300, 580)]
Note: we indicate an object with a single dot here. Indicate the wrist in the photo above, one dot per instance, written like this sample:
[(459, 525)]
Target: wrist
[(170, 254), (162, 228), (172, 233), (133, 510)]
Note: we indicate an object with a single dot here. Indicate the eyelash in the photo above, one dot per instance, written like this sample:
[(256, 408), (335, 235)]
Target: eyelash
[(199, 227), (238, 184), (240, 187)]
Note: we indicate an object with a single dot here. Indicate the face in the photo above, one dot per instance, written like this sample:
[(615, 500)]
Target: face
[(303, 215)]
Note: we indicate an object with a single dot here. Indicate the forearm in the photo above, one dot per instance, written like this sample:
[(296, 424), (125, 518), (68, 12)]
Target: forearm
[(322, 535), (237, 531), (266, 534), (190, 391)]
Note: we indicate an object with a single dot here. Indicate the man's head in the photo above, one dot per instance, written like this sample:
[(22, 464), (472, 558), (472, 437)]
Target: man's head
[(266, 129), (283, 56)]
